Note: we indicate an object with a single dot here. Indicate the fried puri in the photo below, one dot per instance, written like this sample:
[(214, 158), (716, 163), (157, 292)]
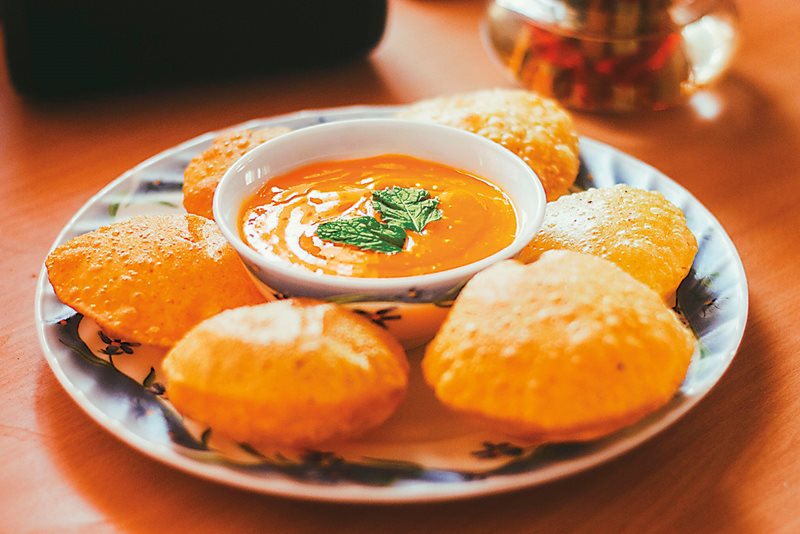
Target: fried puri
[(536, 129), (568, 348), (204, 172), (640, 231), (151, 278), (296, 373)]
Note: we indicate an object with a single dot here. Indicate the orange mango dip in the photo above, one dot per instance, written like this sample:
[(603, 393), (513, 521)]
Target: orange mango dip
[(281, 219)]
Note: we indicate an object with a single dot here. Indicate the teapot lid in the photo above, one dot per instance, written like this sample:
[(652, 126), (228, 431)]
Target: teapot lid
[(603, 19)]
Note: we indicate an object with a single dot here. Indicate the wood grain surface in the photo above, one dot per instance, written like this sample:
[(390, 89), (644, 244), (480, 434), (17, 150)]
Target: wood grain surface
[(732, 464)]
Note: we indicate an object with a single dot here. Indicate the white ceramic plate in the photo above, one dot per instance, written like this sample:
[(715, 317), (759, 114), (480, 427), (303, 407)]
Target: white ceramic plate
[(423, 453)]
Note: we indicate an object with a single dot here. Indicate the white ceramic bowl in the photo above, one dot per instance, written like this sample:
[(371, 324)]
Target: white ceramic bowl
[(364, 138)]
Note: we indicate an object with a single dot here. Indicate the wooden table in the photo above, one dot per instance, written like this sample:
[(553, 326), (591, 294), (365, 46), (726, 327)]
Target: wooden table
[(733, 463)]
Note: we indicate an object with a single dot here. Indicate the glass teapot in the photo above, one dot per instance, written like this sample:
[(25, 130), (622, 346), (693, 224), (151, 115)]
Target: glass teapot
[(613, 55)]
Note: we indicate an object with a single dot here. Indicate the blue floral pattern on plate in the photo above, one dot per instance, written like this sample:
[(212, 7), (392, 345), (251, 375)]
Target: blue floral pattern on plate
[(118, 383)]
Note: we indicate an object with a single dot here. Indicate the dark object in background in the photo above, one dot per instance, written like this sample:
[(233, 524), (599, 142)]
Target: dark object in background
[(56, 48)]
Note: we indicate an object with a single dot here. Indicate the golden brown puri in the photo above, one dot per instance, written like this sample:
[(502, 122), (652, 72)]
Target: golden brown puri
[(568, 348), (297, 373), (641, 231), (151, 278), (204, 172), (536, 129)]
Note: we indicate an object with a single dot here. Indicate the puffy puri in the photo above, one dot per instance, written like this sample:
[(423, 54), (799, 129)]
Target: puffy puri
[(202, 175), (535, 128), (291, 373), (568, 348), (151, 278), (640, 231)]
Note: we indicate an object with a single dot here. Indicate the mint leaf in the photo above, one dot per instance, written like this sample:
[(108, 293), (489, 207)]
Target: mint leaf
[(407, 207), (365, 233)]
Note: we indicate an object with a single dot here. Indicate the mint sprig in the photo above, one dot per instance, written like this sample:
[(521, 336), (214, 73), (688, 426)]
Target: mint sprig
[(401, 209)]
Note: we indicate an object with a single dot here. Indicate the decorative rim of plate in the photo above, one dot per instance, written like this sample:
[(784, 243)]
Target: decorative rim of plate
[(423, 490)]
